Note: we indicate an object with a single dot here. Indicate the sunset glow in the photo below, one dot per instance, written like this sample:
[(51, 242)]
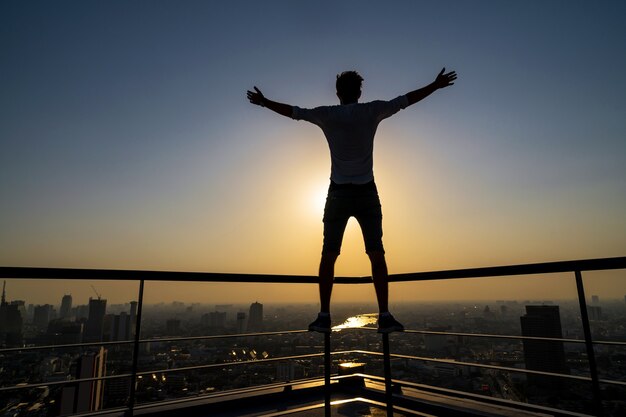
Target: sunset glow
[(128, 143)]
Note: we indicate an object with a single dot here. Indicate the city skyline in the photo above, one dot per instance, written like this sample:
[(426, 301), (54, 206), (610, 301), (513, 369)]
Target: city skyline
[(438, 356), (128, 143)]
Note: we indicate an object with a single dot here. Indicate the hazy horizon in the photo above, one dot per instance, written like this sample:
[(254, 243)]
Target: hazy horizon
[(560, 286)]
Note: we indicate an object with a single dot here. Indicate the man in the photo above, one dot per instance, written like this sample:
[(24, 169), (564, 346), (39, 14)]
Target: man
[(349, 129)]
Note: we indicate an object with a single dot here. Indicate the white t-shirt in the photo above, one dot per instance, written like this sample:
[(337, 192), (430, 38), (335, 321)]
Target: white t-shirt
[(350, 130)]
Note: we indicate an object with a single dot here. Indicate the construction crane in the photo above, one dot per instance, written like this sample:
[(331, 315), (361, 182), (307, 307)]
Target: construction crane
[(94, 290)]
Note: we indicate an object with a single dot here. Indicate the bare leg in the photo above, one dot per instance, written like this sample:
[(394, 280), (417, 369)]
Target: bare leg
[(380, 278), (327, 275)]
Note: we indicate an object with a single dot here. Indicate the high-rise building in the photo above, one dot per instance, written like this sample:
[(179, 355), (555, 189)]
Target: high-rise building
[(133, 318), (66, 306), (94, 327), (595, 300), (117, 327), (80, 312), (214, 319), (89, 395), (241, 322), (11, 321), (255, 318), (547, 356), (42, 316), (229, 309), (21, 306)]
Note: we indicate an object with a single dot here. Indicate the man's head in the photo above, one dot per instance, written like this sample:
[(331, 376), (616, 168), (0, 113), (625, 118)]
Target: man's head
[(349, 87)]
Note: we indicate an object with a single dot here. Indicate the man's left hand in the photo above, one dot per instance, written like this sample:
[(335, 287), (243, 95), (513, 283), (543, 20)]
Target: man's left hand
[(445, 80), (256, 97)]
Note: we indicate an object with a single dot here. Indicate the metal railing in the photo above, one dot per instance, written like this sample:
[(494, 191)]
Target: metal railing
[(576, 267)]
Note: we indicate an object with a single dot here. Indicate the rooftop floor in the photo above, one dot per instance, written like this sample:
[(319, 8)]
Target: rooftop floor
[(364, 398)]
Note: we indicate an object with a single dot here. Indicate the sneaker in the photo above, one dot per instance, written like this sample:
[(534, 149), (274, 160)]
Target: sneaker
[(321, 324), (387, 324)]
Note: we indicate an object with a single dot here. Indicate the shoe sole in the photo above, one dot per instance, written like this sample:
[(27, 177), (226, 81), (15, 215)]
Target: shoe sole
[(319, 329), (391, 329)]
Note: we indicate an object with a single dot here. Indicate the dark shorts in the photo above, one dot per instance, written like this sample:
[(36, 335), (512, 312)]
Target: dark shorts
[(353, 200)]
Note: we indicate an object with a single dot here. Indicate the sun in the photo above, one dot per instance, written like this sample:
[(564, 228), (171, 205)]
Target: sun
[(318, 197), (313, 199)]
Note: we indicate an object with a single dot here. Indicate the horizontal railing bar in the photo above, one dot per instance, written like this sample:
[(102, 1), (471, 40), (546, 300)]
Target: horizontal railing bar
[(222, 365), (282, 332), (612, 382), (65, 346), (511, 270), (478, 365), (255, 361), (222, 336), (136, 275), (498, 336), (608, 342), (486, 335), (65, 382), (168, 339)]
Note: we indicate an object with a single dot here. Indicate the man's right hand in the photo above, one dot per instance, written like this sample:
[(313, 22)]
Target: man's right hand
[(257, 97)]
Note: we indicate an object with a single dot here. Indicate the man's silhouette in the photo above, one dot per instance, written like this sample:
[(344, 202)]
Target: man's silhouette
[(349, 129)]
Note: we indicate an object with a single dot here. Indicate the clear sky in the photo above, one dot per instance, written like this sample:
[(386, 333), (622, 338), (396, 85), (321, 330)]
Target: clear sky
[(126, 140)]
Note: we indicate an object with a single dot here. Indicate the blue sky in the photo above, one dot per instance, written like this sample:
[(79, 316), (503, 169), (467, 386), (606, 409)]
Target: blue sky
[(127, 141)]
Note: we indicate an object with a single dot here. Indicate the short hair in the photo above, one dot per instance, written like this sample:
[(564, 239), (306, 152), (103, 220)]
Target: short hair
[(349, 85)]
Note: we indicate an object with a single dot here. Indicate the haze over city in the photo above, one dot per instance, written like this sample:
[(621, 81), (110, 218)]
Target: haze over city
[(127, 142)]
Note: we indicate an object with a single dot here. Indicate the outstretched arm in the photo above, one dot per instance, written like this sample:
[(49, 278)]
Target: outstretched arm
[(257, 97), (442, 81)]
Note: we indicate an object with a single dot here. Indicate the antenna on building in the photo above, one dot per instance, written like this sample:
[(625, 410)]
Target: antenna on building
[(94, 290), (4, 292)]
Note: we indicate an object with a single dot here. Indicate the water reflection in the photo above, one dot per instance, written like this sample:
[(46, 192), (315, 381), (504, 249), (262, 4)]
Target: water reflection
[(359, 320)]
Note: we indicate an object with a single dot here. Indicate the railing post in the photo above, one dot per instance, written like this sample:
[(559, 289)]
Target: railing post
[(327, 374), (593, 370), (387, 366), (133, 380)]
